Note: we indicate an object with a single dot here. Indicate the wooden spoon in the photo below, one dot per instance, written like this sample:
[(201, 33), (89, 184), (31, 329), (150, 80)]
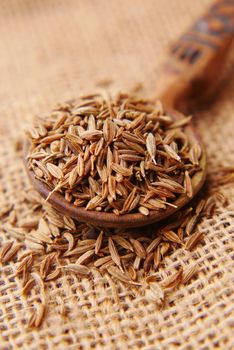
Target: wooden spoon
[(190, 72)]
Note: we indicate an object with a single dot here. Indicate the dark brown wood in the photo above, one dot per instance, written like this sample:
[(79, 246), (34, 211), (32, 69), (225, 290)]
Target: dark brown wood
[(192, 70), (193, 67), (109, 219)]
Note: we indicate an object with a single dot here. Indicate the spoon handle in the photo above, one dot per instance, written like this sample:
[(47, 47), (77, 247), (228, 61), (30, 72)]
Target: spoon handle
[(196, 58)]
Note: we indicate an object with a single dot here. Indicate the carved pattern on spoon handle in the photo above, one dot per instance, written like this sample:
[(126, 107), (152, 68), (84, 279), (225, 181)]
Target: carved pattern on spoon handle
[(196, 58), (209, 32)]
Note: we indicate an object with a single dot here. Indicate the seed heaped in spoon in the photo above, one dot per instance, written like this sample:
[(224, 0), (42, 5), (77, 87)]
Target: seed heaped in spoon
[(142, 168)]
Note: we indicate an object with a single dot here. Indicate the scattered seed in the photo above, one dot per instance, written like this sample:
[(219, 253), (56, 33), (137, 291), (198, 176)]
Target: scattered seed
[(84, 258), (174, 280), (114, 253), (123, 242), (171, 236), (138, 248), (132, 273), (5, 248), (102, 261), (155, 293), (157, 257), (136, 263), (193, 240), (10, 253), (189, 272), (191, 224), (153, 245), (98, 243), (79, 269), (148, 262), (53, 275), (116, 273), (70, 238)]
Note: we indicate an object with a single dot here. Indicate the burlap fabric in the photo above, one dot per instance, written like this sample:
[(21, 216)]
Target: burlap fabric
[(50, 51)]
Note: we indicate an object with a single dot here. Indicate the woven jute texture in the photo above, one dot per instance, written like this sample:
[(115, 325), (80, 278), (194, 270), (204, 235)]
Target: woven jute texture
[(50, 51)]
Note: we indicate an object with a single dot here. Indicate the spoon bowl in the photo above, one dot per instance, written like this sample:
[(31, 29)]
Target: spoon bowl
[(104, 219)]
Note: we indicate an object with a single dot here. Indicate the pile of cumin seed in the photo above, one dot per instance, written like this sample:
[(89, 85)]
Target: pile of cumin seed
[(50, 245), (116, 154)]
